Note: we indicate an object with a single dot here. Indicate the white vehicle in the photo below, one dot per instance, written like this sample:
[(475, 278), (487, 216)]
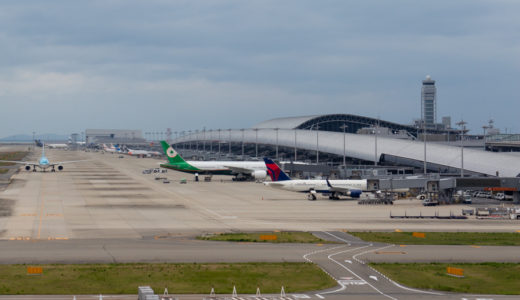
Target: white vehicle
[(332, 188), (239, 169), (43, 164)]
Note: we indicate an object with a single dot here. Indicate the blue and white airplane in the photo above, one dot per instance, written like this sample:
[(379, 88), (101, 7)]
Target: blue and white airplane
[(43, 163)]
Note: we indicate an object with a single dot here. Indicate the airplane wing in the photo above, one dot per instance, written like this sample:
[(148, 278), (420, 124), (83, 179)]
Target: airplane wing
[(337, 189), (19, 162), (240, 170), (68, 162)]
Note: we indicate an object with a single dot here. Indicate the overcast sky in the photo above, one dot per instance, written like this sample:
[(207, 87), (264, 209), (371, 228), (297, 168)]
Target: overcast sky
[(70, 65)]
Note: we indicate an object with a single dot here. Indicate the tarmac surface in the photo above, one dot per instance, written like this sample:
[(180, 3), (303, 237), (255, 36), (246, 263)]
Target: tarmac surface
[(106, 210)]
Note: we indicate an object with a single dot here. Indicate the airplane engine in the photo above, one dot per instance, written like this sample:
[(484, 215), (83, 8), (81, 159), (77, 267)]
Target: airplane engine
[(355, 193), (259, 175), (27, 168), (60, 168)]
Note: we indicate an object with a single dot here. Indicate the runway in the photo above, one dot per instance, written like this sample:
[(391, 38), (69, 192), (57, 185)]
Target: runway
[(105, 210)]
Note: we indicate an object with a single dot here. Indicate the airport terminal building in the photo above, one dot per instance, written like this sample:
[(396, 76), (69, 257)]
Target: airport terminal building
[(393, 144), (114, 136)]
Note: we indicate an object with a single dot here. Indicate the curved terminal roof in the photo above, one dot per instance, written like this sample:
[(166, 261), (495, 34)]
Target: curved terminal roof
[(334, 122), (363, 147), (285, 123)]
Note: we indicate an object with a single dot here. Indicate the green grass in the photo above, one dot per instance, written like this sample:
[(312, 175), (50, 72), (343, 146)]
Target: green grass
[(281, 237), (16, 156), (482, 278), (178, 278), (443, 238)]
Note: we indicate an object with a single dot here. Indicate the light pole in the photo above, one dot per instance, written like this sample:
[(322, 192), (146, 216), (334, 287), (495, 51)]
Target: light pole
[(189, 132), (344, 127), (242, 142), (219, 142), (256, 141), (295, 149), (211, 140), (229, 141), (462, 125), (204, 139), (276, 142), (317, 142), (197, 137), (376, 129), (424, 139)]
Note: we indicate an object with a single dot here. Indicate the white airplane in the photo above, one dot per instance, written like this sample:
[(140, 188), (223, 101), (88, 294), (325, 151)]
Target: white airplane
[(332, 188), (142, 153), (43, 163), (57, 146), (112, 149), (252, 169)]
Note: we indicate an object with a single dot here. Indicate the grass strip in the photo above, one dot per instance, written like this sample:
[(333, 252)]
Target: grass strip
[(443, 238), (481, 278), (186, 278), (254, 237), (13, 156)]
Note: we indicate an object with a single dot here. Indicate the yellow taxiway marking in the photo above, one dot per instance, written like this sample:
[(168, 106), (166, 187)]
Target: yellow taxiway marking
[(57, 238), (53, 215), (473, 246), (319, 245), (402, 245), (398, 230), (518, 231), (20, 238)]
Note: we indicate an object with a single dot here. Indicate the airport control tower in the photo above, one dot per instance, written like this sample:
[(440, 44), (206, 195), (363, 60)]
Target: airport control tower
[(429, 102)]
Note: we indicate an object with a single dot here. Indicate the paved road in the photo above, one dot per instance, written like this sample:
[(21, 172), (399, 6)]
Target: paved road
[(359, 281), (345, 262)]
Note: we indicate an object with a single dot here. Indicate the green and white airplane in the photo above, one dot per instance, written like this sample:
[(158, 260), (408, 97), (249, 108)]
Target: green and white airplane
[(240, 169)]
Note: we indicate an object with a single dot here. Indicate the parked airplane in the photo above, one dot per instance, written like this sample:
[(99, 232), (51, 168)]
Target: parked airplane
[(142, 153), (239, 169), (43, 163), (57, 146), (332, 188), (112, 148)]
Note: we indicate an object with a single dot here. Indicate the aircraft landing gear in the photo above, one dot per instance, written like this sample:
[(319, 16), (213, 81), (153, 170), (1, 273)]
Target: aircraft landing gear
[(311, 197), (53, 170)]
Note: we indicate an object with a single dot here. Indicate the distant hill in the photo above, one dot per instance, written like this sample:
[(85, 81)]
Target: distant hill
[(49, 137)]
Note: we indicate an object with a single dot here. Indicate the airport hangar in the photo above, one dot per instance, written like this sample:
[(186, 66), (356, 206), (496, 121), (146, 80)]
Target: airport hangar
[(300, 134)]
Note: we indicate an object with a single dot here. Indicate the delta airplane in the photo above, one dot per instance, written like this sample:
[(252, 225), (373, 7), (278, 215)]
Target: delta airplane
[(333, 188), (252, 169), (43, 163)]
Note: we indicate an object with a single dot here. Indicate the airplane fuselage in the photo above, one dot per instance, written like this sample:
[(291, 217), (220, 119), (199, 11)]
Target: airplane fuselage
[(320, 186), (214, 167)]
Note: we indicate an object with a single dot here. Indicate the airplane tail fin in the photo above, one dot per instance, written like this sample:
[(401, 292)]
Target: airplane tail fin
[(275, 171), (171, 154)]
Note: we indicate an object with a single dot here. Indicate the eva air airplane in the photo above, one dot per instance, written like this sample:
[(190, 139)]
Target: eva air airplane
[(239, 169)]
